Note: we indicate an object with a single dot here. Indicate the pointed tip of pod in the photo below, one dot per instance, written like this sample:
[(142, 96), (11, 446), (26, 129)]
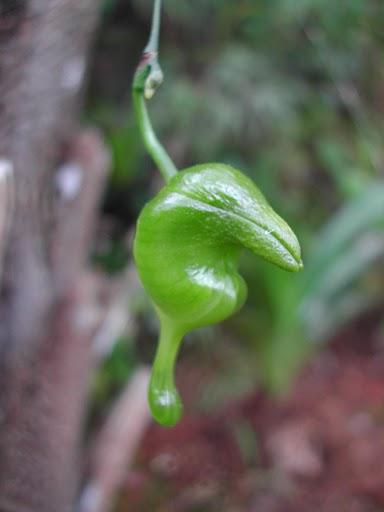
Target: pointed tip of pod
[(282, 251), (299, 265), (292, 263), (280, 244), (165, 404), (292, 247)]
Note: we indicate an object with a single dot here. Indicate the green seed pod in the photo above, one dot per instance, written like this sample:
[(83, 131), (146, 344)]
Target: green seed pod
[(186, 249)]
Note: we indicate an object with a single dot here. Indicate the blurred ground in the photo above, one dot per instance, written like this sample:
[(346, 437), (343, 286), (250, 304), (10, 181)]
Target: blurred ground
[(320, 448)]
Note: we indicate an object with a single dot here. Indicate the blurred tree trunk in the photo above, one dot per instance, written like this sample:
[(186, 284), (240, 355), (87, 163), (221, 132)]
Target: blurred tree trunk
[(48, 310)]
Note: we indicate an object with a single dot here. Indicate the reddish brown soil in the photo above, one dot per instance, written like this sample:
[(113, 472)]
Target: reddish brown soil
[(319, 449)]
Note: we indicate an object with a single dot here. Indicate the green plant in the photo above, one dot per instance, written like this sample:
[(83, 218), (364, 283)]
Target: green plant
[(188, 241), (340, 282), (345, 249)]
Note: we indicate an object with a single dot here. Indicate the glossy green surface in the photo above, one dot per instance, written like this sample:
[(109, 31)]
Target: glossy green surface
[(186, 249)]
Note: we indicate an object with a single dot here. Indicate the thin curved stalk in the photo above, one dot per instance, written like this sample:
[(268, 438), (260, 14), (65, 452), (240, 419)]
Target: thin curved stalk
[(148, 78)]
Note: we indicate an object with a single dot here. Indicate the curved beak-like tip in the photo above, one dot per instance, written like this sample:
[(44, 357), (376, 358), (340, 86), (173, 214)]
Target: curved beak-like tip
[(295, 253), (280, 247), (288, 253), (299, 266), (291, 263), (289, 247)]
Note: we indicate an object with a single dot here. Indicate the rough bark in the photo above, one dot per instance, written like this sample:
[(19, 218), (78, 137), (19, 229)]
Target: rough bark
[(6, 205), (48, 307)]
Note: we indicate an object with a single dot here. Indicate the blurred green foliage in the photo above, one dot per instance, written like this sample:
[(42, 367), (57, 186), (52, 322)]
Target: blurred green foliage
[(290, 91), (111, 377), (112, 258)]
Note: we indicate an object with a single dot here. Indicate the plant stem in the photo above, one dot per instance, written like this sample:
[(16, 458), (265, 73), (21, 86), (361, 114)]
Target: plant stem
[(147, 79), (153, 41), (154, 147)]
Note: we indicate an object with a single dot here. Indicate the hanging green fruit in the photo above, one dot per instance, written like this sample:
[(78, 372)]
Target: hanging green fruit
[(188, 241)]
